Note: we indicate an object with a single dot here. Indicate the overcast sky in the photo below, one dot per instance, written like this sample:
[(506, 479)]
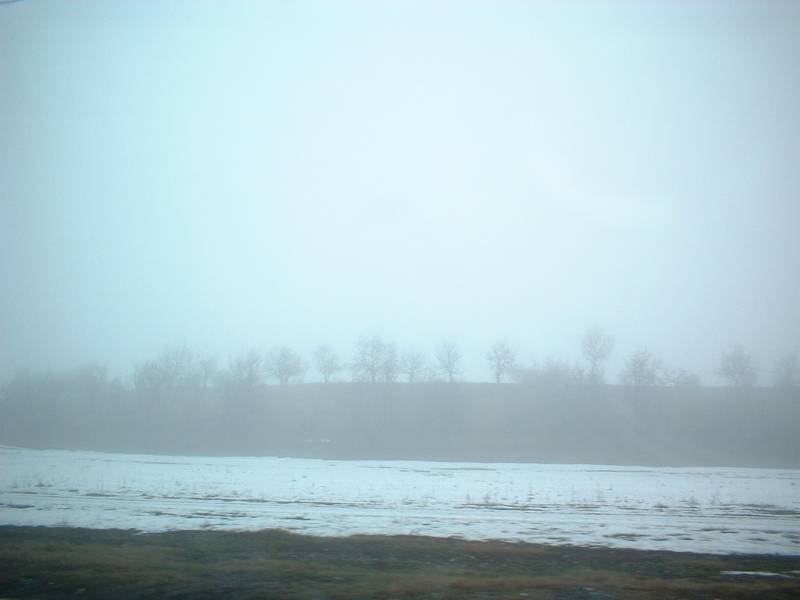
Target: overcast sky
[(236, 174)]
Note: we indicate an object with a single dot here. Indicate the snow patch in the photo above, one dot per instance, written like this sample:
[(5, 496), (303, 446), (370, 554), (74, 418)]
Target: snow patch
[(718, 510)]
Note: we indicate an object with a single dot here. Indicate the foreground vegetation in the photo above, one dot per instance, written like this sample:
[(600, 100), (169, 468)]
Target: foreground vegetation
[(63, 562)]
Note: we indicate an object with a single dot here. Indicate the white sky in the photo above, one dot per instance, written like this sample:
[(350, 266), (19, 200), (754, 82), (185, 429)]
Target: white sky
[(230, 174)]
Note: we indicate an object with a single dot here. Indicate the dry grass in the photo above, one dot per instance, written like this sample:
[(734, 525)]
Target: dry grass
[(62, 562)]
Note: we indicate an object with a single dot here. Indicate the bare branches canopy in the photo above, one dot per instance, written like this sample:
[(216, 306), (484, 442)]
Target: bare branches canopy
[(597, 346), (284, 364), (642, 369), (327, 362), (448, 357), (738, 368), (374, 360), (787, 372), (412, 365), (246, 370), (502, 360)]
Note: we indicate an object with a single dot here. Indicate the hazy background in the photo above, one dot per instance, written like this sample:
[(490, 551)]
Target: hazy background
[(236, 174)]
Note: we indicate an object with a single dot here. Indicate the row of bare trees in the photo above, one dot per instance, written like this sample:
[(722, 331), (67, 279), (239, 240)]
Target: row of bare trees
[(374, 360), (179, 382), (377, 360), (737, 368)]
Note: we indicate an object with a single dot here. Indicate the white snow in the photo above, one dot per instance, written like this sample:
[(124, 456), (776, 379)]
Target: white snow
[(720, 510), (757, 574)]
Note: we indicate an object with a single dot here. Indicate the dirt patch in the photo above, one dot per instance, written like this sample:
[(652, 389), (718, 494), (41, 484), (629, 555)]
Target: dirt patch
[(84, 563)]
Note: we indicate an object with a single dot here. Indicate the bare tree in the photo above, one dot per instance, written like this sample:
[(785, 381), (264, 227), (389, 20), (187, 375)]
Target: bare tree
[(681, 378), (246, 371), (207, 371), (175, 369), (374, 360), (787, 372), (178, 367), (502, 360), (597, 346), (552, 373), (738, 368), (412, 364), (641, 369), (430, 374), (580, 376), (327, 361), (448, 357), (148, 380), (390, 367), (177, 364), (283, 364)]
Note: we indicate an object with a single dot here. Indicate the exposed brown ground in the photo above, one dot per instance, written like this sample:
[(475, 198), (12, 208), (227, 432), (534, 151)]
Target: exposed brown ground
[(82, 563)]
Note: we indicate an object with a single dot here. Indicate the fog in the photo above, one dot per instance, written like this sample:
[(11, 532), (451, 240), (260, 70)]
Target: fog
[(382, 298), (242, 175)]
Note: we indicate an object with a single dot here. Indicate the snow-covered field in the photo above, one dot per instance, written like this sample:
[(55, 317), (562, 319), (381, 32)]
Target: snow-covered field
[(718, 510)]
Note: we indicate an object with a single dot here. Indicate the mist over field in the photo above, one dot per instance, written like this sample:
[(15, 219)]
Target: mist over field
[(376, 299), (594, 205), (528, 231), (248, 175)]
